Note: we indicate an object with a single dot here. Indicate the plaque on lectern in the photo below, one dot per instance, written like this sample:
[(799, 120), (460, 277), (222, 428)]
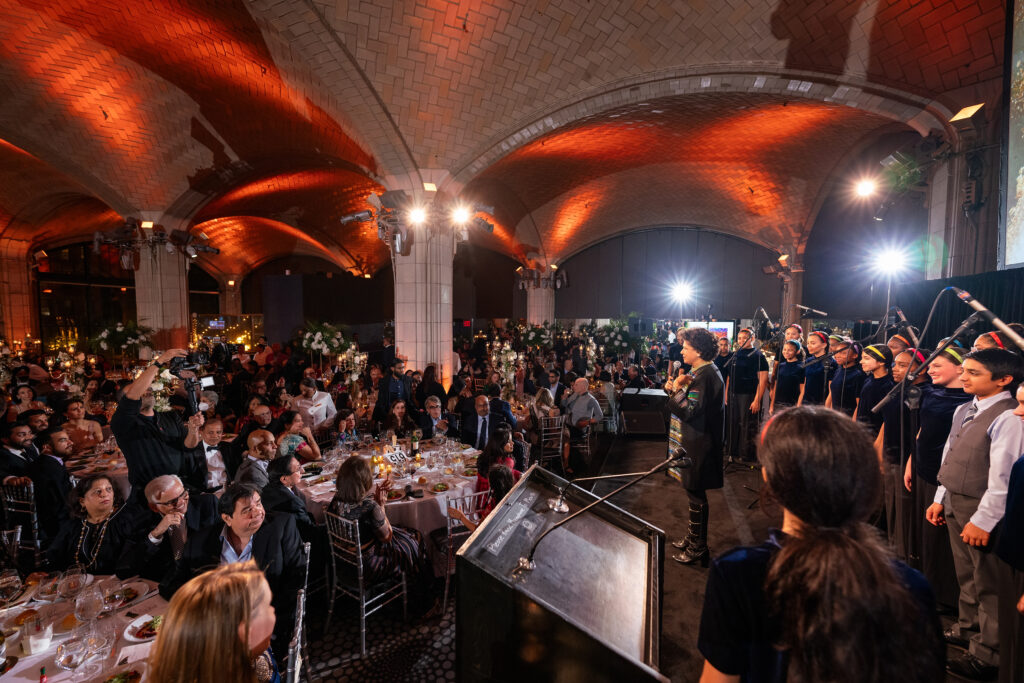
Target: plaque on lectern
[(588, 610)]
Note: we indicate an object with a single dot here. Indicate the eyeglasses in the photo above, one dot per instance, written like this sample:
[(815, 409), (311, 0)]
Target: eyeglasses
[(173, 502)]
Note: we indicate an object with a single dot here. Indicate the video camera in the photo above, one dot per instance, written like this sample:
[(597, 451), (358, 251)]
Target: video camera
[(190, 361)]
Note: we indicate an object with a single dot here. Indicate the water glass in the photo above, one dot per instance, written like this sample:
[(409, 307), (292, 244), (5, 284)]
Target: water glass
[(441, 440), (72, 653), (113, 595), (89, 604), (71, 582), (10, 584)]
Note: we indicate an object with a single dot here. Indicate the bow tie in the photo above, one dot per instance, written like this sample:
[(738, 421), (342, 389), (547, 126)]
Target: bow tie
[(212, 448)]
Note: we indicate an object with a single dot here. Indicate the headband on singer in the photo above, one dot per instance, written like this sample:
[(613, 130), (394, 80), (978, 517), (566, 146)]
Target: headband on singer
[(997, 340)]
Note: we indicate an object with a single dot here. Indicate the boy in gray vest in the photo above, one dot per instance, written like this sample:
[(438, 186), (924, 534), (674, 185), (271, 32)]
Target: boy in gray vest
[(983, 444)]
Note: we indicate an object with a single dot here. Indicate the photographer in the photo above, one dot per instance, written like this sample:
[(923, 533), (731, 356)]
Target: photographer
[(153, 443)]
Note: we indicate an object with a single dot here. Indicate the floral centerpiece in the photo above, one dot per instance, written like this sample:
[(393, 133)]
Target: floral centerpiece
[(536, 337), (124, 340), (614, 339), (163, 387), (323, 339)]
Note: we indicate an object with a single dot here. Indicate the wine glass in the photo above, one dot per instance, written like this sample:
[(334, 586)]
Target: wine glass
[(10, 585), (113, 595), (88, 605), (441, 440), (71, 581), (71, 654)]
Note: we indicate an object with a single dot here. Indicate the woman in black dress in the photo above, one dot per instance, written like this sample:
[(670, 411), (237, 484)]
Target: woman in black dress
[(822, 599), (817, 374), (97, 531), (844, 389), (697, 407)]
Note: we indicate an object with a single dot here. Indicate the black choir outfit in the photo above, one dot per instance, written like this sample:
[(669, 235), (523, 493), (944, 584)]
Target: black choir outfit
[(743, 378), (788, 378), (817, 376), (845, 388), (873, 391)]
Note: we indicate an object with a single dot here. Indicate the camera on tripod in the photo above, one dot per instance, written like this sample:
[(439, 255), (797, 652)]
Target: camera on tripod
[(190, 361)]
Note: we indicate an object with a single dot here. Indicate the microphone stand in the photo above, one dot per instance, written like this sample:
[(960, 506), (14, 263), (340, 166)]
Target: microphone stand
[(526, 563)]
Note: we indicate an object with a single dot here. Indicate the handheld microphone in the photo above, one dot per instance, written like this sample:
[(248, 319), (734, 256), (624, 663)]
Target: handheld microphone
[(813, 311), (988, 315)]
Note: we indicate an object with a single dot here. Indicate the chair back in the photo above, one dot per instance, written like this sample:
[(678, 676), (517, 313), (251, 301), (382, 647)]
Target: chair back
[(294, 670), (305, 556), (343, 537), (470, 505), (19, 509)]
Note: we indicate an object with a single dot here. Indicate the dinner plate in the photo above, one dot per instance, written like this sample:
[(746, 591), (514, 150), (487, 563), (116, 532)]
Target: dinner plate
[(23, 596), (143, 590), (138, 667), (129, 630)]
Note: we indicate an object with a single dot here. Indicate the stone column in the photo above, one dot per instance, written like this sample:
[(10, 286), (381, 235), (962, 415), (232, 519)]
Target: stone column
[(540, 304), (16, 309), (231, 295), (423, 302), (161, 296)]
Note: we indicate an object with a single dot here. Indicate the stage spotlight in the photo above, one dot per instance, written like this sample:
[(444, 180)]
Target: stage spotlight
[(461, 215), (866, 187), (417, 216), (891, 261), (682, 292)]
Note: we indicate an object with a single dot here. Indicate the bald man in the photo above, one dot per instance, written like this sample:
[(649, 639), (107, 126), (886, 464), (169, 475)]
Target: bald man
[(582, 411), (262, 449)]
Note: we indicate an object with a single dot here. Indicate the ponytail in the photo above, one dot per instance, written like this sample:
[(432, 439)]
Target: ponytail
[(843, 609)]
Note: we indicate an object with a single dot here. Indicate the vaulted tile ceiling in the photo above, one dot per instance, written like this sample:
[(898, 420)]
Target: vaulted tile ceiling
[(260, 123)]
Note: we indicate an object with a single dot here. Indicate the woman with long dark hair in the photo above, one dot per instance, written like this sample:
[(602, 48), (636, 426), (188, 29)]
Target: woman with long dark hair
[(817, 374), (822, 599)]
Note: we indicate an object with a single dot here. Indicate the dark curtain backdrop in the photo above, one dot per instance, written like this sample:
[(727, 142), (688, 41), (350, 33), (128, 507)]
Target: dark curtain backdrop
[(635, 272), (1002, 292)]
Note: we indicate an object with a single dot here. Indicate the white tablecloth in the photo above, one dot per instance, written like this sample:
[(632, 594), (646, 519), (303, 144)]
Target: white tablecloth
[(27, 668)]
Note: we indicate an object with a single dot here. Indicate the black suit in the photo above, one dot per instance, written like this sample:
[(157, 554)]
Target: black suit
[(278, 498), (276, 548), (154, 562), (470, 424), (556, 392), (240, 444), (16, 465), (503, 410), (227, 454), (52, 486)]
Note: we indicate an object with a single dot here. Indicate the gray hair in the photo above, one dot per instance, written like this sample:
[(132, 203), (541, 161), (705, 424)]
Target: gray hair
[(210, 397), (432, 401), (160, 484)]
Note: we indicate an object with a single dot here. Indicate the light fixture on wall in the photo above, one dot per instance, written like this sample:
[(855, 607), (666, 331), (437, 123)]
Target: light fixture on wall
[(134, 236)]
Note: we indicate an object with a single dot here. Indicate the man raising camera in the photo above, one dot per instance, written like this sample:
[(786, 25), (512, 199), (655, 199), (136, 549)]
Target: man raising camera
[(153, 443)]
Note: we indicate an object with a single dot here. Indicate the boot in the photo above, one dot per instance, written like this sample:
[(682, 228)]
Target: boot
[(696, 549)]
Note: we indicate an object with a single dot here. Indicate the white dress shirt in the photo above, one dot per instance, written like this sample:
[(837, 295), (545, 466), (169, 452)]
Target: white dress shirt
[(216, 472), (316, 410)]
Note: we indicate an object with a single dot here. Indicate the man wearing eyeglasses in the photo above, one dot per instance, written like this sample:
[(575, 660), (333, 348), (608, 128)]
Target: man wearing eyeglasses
[(164, 528)]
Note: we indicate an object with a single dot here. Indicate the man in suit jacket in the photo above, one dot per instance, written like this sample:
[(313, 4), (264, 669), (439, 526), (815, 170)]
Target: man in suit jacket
[(501, 408), (282, 496), (556, 387), (477, 427), (433, 422), (17, 452), (263, 418), (163, 528), (248, 533), (51, 481), (212, 453), (253, 470)]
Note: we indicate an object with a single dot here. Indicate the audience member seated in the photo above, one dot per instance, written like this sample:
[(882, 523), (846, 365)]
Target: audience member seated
[(822, 600), (251, 405), (478, 426), (500, 450), (499, 406), (247, 533), (398, 420), (429, 386), (281, 495), (218, 628), (262, 418), (22, 398), (51, 481), (37, 420), (433, 422), (280, 401), (97, 530), (296, 437), (500, 480), (345, 425), (17, 452), (253, 470), (84, 432), (163, 527), (388, 549)]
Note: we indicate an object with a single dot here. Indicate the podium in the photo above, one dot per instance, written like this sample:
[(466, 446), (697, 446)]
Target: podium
[(589, 611)]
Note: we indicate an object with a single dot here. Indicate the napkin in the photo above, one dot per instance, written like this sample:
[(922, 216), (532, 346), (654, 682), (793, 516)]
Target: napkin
[(135, 653)]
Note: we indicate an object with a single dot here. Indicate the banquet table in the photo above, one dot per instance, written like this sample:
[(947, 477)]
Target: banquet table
[(94, 461), (27, 668), (423, 514)]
